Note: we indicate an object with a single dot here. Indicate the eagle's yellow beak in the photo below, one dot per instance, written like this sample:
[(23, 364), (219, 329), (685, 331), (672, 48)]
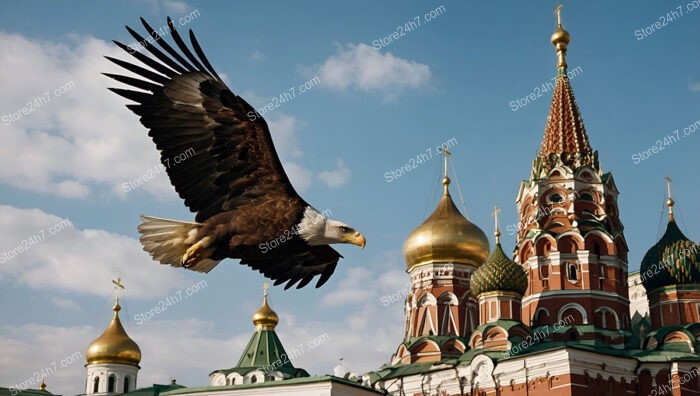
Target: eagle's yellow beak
[(358, 239)]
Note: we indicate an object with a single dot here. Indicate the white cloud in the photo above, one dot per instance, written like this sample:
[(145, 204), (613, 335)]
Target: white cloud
[(65, 303), (176, 7), (79, 139), (284, 134), (362, 67), (299, 176), (41, 251), (196, 347), (337, 177), (283, 129), (257, 56), (695, 87)]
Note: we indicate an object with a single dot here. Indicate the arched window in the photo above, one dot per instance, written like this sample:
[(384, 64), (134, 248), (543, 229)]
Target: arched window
[(96, 385), (571, 272), (253, 379), (126, 384), (110, 384), (573, 336)]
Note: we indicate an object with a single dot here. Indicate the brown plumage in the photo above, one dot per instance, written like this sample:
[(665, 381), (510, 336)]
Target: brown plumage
[(231, 176)]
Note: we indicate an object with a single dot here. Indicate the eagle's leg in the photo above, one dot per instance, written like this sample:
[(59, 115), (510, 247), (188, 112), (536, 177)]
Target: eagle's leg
[(194, 253)]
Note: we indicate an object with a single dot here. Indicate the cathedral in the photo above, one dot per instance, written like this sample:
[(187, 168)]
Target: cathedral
[(561, 315)]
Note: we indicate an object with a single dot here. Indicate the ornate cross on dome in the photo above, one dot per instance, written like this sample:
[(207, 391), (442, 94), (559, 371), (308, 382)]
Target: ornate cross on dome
[(558, 12), (497, 233), (446, 153), (670, 201), (117, 285), (265, 287)]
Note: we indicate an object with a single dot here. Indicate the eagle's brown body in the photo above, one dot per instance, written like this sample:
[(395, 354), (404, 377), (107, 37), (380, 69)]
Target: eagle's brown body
[(233, 178)]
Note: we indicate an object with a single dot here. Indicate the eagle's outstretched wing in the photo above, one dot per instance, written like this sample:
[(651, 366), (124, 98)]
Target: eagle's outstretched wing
[(216, 149)]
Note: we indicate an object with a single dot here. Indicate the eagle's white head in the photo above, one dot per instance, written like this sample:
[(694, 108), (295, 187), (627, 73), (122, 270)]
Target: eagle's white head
[(317, 229)]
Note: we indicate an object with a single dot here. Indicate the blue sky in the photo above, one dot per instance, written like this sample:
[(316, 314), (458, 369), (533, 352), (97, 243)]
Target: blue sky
[(451, 79)]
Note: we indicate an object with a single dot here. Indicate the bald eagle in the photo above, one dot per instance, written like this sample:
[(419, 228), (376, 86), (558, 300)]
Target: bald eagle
[(232, 177)]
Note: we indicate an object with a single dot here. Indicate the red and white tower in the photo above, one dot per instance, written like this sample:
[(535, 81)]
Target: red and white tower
[(570, 239)]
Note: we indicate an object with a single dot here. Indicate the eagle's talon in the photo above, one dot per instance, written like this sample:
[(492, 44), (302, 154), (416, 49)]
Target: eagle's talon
[(191, 256)]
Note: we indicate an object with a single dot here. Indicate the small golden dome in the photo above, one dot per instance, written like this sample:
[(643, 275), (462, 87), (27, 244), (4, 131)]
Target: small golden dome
[(561, 36), (114, 345), (265, 318), (446, 236)]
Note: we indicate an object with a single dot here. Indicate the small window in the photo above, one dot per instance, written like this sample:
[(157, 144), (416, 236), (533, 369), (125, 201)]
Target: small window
[(96, 385), (573, 336), (110, 384), (253, 379), (270, 378), (126, 384), (573, 275), (586, 197), (556, 198)]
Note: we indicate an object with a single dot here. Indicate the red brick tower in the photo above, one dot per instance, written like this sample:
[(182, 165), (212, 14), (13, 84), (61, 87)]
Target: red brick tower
[(570, 240)]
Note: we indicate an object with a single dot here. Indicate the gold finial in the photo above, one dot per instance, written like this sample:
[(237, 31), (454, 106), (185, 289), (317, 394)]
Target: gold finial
[(117, 285), (265, 318), (669, 202), (446, 179), (560, 39), (42, 386), (497, 232)]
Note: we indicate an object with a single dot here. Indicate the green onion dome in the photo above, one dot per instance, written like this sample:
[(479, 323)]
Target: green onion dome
[(673, 260), (498, 273)]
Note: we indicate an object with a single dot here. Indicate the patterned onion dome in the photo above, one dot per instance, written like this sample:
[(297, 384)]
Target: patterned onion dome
[(114, 345), (499, 273), (446, 236), (673, 260)]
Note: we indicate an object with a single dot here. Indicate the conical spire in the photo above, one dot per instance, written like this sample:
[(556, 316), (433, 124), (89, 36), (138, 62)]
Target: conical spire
[(565, 140)]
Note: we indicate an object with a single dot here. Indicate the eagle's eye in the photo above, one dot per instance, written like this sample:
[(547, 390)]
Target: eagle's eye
[(344, 229)]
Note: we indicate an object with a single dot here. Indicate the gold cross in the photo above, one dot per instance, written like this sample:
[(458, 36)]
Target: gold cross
[(558, 12), (668, 185), (117, 285), (265, 287), (447, 153)]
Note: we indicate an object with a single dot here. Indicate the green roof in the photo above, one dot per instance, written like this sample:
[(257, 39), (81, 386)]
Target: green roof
[(265, 352), (154, 390), (270, 384), (27, 392)]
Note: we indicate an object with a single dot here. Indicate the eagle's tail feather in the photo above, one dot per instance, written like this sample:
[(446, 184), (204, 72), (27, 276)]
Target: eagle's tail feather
[(167, 241)]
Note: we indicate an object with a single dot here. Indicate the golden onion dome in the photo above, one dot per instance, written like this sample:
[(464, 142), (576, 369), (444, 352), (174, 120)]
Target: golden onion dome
[(265, 318), (446, 236), (114, 345)]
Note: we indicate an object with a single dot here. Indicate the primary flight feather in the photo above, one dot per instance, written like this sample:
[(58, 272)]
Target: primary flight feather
[(223, 164)]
